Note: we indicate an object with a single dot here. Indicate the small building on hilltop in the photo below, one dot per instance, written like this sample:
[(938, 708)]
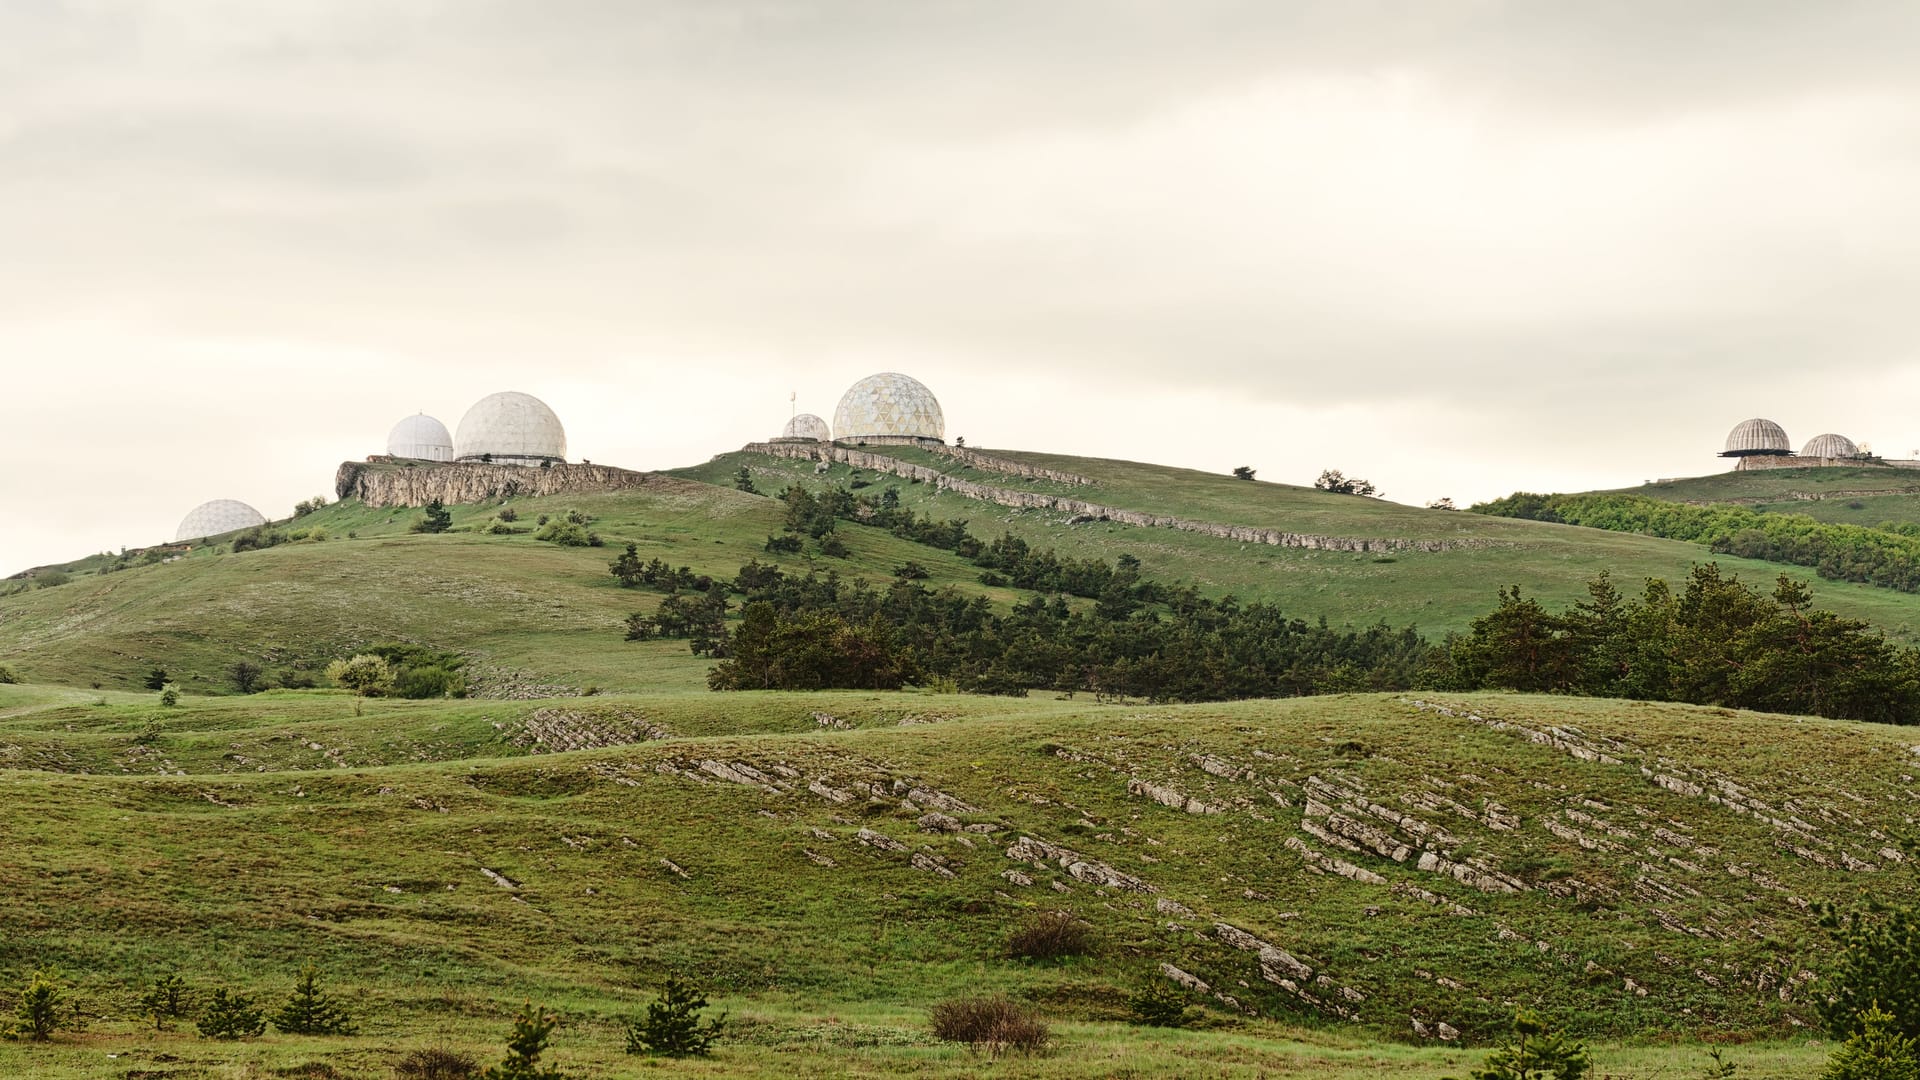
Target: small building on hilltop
[(888, 408), (421, 438), (805, 428), (216, 517), (510, 428)]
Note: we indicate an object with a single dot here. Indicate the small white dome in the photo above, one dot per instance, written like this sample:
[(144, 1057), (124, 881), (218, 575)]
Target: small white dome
[(421, 437), (1757, 437), (1829, 446), (510, 428), (889, 404), (807, 426), (216, 517)]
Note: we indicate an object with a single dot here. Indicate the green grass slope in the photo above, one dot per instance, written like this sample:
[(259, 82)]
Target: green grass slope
[(1333, 869), (1437, 591), (1849, 496)]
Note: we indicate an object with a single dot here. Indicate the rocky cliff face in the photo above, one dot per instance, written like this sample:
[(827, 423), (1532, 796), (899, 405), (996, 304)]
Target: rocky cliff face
[(1092, 511), (388, 482)]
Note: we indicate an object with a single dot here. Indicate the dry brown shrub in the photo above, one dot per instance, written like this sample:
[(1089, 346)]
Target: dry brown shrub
[(436, 1063), (1051, 935), (993, 1024)]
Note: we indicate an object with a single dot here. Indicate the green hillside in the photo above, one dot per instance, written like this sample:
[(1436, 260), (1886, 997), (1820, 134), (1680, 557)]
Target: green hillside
[(1438, 591), (1847, 496), (831, 864)]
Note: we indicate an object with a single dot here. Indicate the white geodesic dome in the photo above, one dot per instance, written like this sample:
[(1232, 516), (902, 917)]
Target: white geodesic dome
[(807, 426), (510, 428), (1757, 437), (889, 404), (420, 437), (1829, 446), (216, 517)]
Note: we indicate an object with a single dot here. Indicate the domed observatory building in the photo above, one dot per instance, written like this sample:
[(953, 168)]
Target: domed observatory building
[(1834, 447), (421, 438), (888, 407), (510, 428), (216, 517), (1754, 440), (805, 428)]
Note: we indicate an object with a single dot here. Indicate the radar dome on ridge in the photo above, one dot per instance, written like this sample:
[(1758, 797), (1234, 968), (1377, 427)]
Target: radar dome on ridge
[(1757, 437), (889, 404), (510, 428), (807, 426), (1829, 446), (216, 517), (420, 437)]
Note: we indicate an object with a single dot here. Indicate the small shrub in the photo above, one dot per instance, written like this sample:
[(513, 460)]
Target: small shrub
[(783, 545), (41, 1008), (567, 533), (499, 527), (1718, 1067), (672, 1025), (436, 1063), (743, 481), (231, 1015), (7, 677), (1243, 472), (169, 698), (990, 1023), (311, 1010), (292, 679), (531, 1030), (366, 675), (834, 548), (1160, 1004), (1876, 1052), (156, 679), (1051, 935), (245, 676), (642, 627), (166, 1000), (508, 513)]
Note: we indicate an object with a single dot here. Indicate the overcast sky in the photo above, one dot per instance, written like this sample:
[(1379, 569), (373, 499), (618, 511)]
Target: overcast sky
[(1459, 247)]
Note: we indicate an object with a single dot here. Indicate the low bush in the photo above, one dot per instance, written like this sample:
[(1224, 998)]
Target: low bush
[(1160, 1004), (990, 1023), (231, 1015), (7, 676), (436, 1063), (1051, 935), (567, 533)]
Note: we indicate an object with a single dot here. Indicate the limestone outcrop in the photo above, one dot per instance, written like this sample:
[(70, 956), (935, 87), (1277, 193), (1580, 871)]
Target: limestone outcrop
[(390, 482), (1091, 511)]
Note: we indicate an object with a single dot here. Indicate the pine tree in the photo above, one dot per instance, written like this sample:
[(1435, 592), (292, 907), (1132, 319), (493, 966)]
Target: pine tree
[(531, 1030), (231, 1015), (434, 518), (311, 1010), (1876, 1052), (1537, 1052), (41, 1003), (167, 999), (672, 1025)]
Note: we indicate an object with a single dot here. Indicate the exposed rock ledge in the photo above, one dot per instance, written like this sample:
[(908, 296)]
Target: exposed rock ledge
[(389, 482), (1037, 500)]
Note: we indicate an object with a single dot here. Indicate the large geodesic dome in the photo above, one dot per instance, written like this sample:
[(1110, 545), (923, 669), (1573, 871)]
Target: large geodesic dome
[(807, 426), (889, 404), (510, 428), (1829, 446), (1757, 437), (216, 517), (420, 437)]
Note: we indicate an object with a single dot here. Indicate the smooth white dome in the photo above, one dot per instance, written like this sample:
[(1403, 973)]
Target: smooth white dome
[(889, 404), (510, 428), (807, 426), (1829, 446), (1757, 437), (216, 517), (421, 437)]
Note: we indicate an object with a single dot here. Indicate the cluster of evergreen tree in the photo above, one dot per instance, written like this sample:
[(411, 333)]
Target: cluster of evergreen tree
[(1888, 556), (1716, 641)]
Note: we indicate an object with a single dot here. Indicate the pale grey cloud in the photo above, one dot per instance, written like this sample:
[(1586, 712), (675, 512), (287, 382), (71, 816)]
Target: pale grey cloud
[(1350, 226)]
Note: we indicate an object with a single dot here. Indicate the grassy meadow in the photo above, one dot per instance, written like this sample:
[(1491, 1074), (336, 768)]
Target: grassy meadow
[(443, 861)]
